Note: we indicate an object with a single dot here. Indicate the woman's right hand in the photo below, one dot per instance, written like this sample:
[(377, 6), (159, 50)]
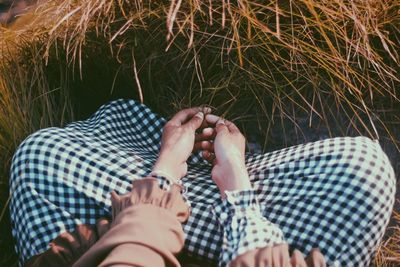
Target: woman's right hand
[(278, 256), (229, 171)]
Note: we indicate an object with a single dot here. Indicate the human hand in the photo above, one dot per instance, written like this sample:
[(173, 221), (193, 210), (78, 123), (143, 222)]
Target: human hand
[(178, 141), (229, 171), (314, 259), (278, 256)]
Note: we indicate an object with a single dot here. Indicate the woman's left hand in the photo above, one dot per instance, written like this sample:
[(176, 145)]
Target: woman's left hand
[(178, 141)]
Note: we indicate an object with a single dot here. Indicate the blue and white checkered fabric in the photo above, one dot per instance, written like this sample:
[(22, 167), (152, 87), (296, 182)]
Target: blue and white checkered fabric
[(335, 194)]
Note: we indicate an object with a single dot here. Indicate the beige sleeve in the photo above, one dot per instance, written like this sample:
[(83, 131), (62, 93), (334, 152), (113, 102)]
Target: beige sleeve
[(146, 231)]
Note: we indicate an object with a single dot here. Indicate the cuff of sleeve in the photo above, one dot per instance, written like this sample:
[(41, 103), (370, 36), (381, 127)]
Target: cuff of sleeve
[(243, 225), (165, 183), (148, 191), (241, 203)]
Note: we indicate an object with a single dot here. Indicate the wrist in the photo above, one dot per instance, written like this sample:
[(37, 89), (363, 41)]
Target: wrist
[(231, 178), (171, 171), (235, 169), (240, 184)]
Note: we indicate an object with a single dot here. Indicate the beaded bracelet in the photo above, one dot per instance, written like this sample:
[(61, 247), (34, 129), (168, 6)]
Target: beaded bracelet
[(165, 180)]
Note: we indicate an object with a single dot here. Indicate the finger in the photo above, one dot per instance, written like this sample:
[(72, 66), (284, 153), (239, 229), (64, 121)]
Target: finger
[(206, 154), (248, 259), (206, 110), (212, 119), (316, 259), (206, 134), (264, 257), (203, 145), (204, 124), (207, 145), (210, 157), (232, 127), (297, 259), (195, 121), (285, 257), (280, 255), (184, 115), (102, 226), (221, 127)]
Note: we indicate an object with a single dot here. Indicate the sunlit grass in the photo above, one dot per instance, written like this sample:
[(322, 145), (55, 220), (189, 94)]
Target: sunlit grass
[(388, 253), (27, 103)]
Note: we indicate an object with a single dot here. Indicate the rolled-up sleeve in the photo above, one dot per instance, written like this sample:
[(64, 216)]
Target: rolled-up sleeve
[(146, 230), (243, 225)]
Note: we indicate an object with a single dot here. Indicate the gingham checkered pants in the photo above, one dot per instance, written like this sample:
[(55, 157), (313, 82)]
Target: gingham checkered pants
[(335, 194)]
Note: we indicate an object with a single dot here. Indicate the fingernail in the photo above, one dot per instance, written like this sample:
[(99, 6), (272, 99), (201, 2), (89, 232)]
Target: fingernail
[(207, 110), (220, 121), (200, 115), (208, 130)]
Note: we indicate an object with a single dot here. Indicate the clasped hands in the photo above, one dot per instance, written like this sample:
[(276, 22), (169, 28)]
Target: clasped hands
[(223, 145), (220, 141)]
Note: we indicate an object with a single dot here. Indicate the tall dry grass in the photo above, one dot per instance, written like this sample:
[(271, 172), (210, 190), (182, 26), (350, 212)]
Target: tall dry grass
[(27, 103), (286, 49), (322, 62)]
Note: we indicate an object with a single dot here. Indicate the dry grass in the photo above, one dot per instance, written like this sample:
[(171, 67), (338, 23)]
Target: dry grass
[(27, 103), (250, 59), (286, 49), (389, 252)]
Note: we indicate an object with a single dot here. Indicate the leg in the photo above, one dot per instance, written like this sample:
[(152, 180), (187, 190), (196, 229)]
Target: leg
[(335, 194), (62, 177)]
